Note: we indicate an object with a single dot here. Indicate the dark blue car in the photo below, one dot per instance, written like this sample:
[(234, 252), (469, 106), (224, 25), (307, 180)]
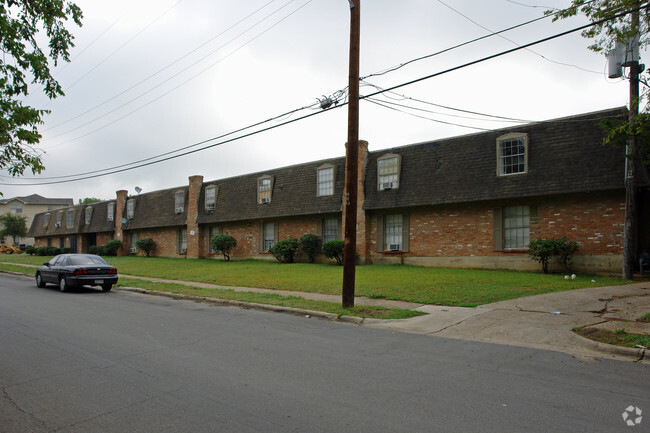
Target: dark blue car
[(76, 270)]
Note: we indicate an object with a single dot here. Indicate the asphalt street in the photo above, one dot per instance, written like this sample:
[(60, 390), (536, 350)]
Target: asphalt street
[(89, 361)]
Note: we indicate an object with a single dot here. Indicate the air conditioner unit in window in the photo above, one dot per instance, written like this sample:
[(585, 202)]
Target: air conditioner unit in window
[(210, 206), (183, 250), (394, 247), (265, 200), (179, 210), (57, 225), (388, 185), (133, 250)]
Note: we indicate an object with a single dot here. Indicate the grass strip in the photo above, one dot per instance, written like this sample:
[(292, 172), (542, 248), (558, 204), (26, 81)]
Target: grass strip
[(618, 337), (272, 299)]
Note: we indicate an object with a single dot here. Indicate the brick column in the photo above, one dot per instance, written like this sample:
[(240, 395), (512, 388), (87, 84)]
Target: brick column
[(120, 204), (194, 250)]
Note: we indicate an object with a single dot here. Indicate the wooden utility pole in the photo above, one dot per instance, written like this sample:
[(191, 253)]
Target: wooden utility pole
[(352, 160), (629, 243)]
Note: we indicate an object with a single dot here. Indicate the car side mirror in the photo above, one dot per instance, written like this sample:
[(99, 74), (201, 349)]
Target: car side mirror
[(46, 264)]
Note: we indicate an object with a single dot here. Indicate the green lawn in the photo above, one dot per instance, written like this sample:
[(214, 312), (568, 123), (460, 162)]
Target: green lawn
[(441, 286)]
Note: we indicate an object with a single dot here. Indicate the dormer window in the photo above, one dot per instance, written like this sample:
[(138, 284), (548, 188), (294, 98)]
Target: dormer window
[(179, 201), (210, 197), (130, 208), (59, 218), (325, 180), (264, 188), (388, 172), (69, 219), (110, 211), (46, 219), (88, 214), (512, 154)]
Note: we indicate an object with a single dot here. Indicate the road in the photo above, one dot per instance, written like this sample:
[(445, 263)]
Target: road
[(90, 362)]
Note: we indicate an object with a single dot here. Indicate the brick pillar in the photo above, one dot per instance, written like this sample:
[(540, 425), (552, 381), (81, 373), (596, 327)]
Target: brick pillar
[(120, 205), (362, 231), (194, 250)]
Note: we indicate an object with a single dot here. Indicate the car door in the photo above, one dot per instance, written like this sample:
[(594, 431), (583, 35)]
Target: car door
[(47, 272)]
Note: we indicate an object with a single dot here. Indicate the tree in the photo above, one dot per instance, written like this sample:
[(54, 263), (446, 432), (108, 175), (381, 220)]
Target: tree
[(310, 245), (146, 245), (24, 60), (334, 250), (223, 244), (89, 200), (626, 23), (14, 226)]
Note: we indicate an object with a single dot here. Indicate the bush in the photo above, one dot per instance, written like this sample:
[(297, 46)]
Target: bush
[(65, 250), (310, 245), (30, 250), (223, 244), (48, 251), (284, 250), (334, 250), (111, 247), (145, 245), (97, 250), (542, 250)]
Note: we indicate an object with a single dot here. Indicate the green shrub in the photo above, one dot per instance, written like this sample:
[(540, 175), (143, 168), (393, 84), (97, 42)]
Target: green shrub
[(145, 245), (284, 250), (48, 251), (223, 244), (97, 250), (65, 250), (310, 245), (111, 247), (30, 250), (334, 250), (541, 250)]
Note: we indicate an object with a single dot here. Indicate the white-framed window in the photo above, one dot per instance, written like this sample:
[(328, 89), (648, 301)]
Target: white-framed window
[(182, 241), (50, 207), (87, 215), (130, 208), (512, 154), (69, 219), (264, 186), (212, 232), (110, 211), (59, 218), (330, 229), (210, 197), (179, 201), (46, 219), (16, 208), (325, 181), (268, 236), (393, 232), (516, 227), (388, 172)]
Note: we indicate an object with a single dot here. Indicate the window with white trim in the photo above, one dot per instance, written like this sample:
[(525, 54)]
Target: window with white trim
[(264, 190), (512, 154), (210, 197), (388, 172), (16, 208), (87, 215), (269, 236), (330, 229), (325, 181), (212, 232), (130, 208), (69, 219), (46, 219), (516, 227), (179, 201), (134, 243), (182, 241), (393, 232), (110, 211), (59, 218)]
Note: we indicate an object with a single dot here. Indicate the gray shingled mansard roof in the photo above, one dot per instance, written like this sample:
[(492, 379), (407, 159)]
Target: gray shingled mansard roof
[(564, 156), (37, 199), (98, 223)]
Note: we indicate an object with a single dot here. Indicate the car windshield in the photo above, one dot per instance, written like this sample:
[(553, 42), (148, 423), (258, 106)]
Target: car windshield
[(84, 260)]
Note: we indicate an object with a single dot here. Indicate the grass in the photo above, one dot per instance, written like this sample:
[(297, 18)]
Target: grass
[(439, 286), (618, 337), (645, 318)]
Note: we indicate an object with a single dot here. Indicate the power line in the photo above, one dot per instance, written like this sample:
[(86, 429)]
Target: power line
[(474, 62)]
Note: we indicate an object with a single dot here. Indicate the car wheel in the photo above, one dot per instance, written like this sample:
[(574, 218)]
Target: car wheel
[(63, 284), (107, 287), (39, 280)]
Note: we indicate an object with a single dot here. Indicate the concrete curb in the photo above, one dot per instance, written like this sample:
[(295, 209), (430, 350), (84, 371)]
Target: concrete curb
[(250, 305), (638, 354)]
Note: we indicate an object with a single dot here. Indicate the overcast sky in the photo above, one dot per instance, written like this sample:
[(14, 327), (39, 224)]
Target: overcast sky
[(148, 77)]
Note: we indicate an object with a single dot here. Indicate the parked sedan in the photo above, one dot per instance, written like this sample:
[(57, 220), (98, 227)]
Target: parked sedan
[(75, 270)]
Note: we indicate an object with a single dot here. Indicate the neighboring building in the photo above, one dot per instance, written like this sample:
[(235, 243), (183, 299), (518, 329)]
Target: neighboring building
[(29, 206), (470, 201)]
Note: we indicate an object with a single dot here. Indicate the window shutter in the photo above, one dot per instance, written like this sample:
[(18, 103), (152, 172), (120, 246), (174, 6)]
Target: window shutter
[(261, 237), (498, 229), (380, 233), (406, 233)]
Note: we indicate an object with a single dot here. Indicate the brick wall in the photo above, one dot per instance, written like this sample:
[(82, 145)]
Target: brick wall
[(165, 240)]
